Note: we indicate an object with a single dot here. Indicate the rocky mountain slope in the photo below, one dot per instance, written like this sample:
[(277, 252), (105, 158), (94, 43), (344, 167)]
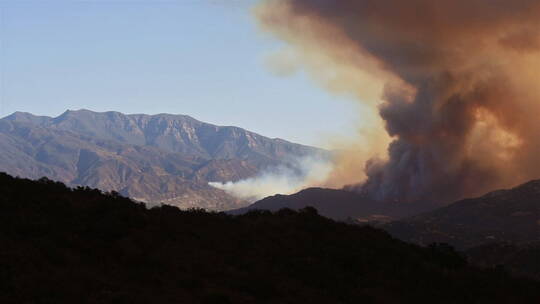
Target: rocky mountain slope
[(155, 158)]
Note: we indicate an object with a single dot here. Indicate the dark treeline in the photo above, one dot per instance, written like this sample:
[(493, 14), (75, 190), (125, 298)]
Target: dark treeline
[(61, 245)]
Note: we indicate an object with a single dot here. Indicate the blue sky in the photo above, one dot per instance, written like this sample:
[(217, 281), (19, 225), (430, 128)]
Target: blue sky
[(204, 58)]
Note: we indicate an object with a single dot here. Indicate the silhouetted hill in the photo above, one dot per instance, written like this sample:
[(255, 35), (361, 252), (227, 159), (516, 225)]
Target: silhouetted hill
[(510, 216), (523, 259), (339, 205), (82, 246), (155, 158)]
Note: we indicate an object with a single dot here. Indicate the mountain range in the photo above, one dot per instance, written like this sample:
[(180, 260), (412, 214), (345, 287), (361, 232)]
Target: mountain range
[(160, 158), (171, 158)]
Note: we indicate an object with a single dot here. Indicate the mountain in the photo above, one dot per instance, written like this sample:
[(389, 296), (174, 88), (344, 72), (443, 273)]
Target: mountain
[(508, 216), (62, 245), (172, 133), (339, 205), (154, 158)]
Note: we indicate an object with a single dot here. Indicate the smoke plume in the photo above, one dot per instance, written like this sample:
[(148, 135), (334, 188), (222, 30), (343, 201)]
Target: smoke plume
[(296, 175), (455, 84)]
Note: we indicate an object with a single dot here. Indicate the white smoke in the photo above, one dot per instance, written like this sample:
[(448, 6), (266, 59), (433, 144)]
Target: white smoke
[(299, 174)]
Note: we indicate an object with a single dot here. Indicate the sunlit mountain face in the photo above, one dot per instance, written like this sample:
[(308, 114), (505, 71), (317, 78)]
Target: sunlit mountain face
[(157, 159)]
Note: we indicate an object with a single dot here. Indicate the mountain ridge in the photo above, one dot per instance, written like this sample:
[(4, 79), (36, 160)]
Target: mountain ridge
[(162, 158), (157, 130)]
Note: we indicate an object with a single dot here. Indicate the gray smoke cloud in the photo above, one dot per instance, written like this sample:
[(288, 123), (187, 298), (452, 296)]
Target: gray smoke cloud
[(457, 83)]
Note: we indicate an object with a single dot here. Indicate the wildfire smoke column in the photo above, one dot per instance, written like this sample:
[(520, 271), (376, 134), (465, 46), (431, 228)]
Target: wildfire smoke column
[(460, 79)]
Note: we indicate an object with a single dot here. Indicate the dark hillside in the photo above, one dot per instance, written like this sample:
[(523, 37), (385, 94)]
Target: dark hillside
[(81, 246), (503, 216), (339, 205)]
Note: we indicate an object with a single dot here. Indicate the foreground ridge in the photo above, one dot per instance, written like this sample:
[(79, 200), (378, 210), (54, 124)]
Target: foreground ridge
[(62, 245)]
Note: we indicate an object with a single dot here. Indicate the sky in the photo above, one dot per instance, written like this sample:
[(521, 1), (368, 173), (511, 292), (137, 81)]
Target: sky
[(203, 58)]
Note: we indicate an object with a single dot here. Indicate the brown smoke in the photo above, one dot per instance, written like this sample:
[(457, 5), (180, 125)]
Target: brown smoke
[(460, 79)]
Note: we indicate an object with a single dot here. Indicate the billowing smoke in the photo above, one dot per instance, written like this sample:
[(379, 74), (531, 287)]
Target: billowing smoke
[(455, 83), (296, 175)]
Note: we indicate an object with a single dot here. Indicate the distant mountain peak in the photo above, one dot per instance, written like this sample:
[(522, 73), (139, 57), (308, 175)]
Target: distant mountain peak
[(27, 118), (171, 133), (162, 158)]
